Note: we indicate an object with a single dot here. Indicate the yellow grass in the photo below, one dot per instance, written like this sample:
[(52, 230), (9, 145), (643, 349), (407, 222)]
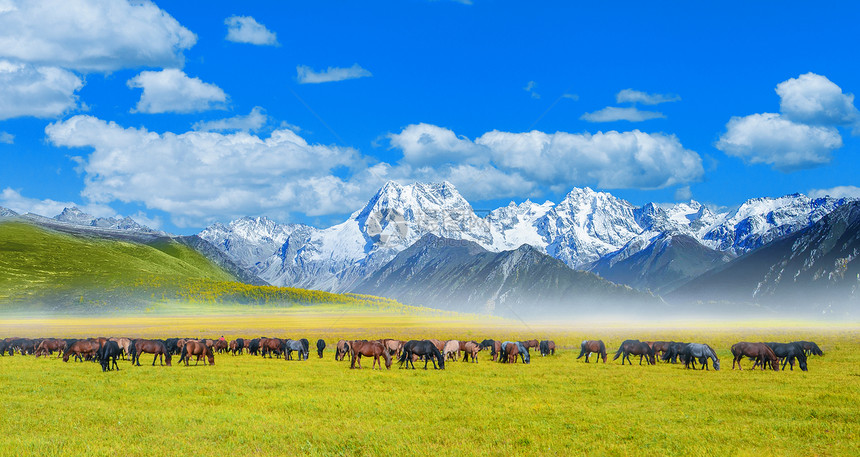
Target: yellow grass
[(554, 406)]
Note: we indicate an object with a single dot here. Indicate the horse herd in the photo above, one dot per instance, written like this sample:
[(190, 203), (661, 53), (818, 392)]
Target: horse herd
[(106, 351), (763, 354)]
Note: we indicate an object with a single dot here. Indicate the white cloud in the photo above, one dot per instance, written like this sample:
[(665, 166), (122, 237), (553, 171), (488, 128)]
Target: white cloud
[(530, 88), (245, 29), (198, 177), (306, 75), (836, 192), (252, 122), (92, 35), (7, 138), (12, 199), (613, 113), (171, 90), (771, 139), (683, 194), (635, 96), (27, 90), (610, 160), (814, 99)]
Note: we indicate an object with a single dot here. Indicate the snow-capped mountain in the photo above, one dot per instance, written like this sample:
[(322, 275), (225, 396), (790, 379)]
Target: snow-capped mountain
[(250, 240), (584, 227), (6, 212), (75, 216)]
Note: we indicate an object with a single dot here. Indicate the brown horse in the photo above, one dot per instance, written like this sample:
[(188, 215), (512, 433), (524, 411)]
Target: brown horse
[(270, 345), (471, 348), (81, 349), (48, 346), (754, 350), (156, 347), (440, 345), (635, 347), (341, 350), (513, 351), (199, 349), (659, 347), (497, 349), (373, 349), (220, 346), (595, 346), (532, 344)]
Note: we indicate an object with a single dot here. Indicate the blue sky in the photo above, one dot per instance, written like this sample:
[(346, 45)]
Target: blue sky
[(184, 113)]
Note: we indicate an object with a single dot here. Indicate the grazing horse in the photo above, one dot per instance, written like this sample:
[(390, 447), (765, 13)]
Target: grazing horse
[(471, 349), (423, 348), (451, 350), (788, 352), (198, 348), (810, 348), (672, 351), (110, 351), (270, 345), (156, 347), (220, 346), (295, 345), (547, 347), (373, 349), (595, 346), (493, 346), (394, 347), (509, 353), (320, 347), (660, 348), (254, 346), (531, 344), (754, 350), (81, 349), (635, 347), (523, 348), (440, 345), (237, 345), (702, 352), (123, 344), (341, 350), (48, 346)]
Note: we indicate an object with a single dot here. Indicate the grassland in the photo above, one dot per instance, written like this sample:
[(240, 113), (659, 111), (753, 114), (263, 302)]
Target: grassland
[(554, 406)]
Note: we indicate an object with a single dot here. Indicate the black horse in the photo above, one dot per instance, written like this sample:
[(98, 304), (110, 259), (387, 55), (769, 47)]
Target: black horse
[(675, 350), (488, 344), (109, 351), (635, 347), (4, 346), (171, 346), (788, 352), (320, 347), (421, 348), (810, 348), (240, 346), (545, 349), (254, 347)]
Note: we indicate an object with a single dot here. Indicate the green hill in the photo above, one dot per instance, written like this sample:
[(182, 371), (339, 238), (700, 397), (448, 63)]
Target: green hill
[(42, 269)]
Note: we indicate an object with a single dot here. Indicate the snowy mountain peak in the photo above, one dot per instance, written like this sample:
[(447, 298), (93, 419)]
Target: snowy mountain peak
[(75, 216), (6, 212)]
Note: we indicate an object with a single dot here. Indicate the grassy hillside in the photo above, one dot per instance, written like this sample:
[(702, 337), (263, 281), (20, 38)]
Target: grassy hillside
[(45, 270)]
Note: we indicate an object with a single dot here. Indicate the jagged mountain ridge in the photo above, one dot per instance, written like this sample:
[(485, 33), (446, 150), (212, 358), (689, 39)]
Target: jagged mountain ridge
[(583, 228), (462, 276), (814, 269)]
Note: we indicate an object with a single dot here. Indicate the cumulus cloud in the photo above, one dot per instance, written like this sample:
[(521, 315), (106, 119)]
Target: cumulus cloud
[(803, 135), (252, 122), (306, 75), (635, 96), (610, 160), (92, 35), (14, 200), (771, 139), (44, 92), (171, 90), (613, 113), (198, 177), (7, 138), (245, 29), (814, 99), (836, 192)]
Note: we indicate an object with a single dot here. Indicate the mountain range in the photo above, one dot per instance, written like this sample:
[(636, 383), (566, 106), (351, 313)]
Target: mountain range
[(404, 244)]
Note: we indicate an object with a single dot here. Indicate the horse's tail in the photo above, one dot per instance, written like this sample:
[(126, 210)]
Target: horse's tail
[(602, 348), (618, 354), (183, 354)]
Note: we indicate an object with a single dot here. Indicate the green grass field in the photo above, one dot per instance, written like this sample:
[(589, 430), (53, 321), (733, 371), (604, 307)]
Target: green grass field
[(554, 406)]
